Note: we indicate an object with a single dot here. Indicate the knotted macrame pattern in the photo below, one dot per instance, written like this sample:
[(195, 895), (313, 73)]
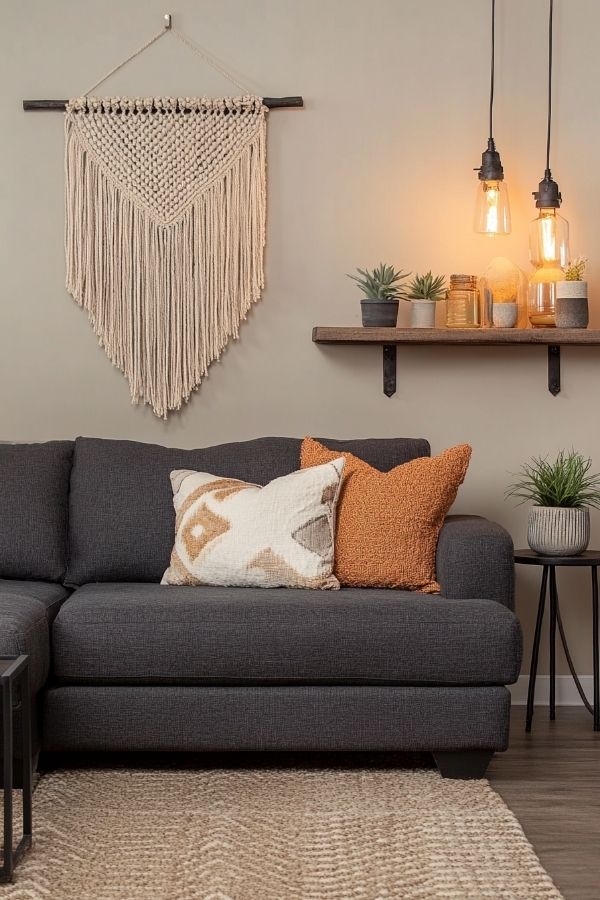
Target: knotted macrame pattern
[(165, 231)]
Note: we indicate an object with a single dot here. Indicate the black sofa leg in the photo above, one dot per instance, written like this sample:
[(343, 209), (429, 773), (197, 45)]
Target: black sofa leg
[(462, 763)]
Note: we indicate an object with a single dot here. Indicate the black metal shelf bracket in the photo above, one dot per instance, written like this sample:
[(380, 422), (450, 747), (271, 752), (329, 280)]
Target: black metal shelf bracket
[(554, 369), (389, 369)]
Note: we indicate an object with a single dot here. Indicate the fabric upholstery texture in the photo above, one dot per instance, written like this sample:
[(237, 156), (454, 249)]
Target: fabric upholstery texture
[(229, 532), (388, 522), (475, 558), (26, 609), (121, 517), (275, 718), (33, 509), (146, 633)]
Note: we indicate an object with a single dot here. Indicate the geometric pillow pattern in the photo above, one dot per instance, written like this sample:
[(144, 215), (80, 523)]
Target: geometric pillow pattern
[(388, 523), (229, 532)]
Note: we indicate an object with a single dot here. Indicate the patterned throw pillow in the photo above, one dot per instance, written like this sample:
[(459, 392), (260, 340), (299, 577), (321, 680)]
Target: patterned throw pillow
[(228, 532), (388, 523)]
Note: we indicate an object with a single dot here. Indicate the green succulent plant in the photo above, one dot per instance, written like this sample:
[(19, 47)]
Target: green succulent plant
[(564, 482), (383, 283), (427, 287)]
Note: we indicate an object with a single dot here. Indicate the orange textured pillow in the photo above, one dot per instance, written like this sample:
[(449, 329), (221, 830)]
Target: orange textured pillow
[(388, 522)]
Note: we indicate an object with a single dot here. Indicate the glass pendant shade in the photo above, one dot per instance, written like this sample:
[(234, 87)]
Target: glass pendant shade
[(549, 239), (492, 209), (549, 253)]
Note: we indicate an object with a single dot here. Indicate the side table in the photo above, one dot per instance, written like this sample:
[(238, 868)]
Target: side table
[(14, 681), (590, 558)]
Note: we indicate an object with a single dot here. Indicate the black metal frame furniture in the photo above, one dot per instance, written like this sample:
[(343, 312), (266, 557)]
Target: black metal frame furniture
[(590, 558), (14, 680)]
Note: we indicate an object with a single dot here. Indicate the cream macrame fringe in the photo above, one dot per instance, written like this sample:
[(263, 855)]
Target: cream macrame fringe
[(164, 299)]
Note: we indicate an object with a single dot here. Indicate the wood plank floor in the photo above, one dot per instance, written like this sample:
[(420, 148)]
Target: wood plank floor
[(550, 779)]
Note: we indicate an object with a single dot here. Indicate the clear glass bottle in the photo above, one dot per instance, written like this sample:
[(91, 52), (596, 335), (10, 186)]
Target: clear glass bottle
[(549, 253), (463, 308)]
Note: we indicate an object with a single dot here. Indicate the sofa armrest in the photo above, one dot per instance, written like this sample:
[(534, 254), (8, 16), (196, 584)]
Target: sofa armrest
[(24, 628), (475, 559)]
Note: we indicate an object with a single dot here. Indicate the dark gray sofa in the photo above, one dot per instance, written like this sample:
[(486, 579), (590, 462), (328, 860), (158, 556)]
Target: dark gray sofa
[(119, 662)]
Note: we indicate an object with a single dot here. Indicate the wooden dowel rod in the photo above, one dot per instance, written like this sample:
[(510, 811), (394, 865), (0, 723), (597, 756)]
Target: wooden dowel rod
[(270, 102)]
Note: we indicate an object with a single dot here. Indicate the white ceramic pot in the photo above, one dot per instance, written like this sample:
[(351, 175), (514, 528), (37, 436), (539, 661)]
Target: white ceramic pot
[(558, 530), (505, 315), (422, 313)]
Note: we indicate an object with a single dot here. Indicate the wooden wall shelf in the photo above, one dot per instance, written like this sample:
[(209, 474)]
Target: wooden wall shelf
[(390, 338)]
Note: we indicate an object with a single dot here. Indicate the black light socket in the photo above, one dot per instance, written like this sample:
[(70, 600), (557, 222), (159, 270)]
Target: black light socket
[(491, 167), (547, 195)]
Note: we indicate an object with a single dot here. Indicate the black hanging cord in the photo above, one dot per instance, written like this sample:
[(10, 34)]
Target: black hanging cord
[(550, 16), (491, 166), (492, 69)]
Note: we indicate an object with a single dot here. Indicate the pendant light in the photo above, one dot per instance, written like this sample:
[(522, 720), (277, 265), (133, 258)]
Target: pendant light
[(492, 210), (549, 232)]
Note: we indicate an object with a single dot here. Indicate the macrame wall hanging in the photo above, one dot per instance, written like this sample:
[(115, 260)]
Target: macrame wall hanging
[(165, 203)]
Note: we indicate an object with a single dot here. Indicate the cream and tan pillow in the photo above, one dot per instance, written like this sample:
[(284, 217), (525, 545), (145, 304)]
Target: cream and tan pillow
[(228, 532), (388, 523)]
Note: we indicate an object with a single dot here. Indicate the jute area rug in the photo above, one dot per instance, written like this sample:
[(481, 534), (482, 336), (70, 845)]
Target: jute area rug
[(273, 834)]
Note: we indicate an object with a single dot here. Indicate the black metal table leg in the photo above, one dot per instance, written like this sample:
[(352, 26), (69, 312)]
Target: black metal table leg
[(14, 676), (7, 725), (553, 602), (596, 639), (27, 762), (569, 658), (535, 652)]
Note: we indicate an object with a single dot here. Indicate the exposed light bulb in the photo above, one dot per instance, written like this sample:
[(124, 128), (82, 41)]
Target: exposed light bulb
[(492, 209), (549, 239)]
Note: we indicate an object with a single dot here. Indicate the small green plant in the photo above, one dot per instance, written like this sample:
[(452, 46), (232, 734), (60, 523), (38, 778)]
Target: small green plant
[(575, 270), (427, 287), (383, 283), (565, 481)]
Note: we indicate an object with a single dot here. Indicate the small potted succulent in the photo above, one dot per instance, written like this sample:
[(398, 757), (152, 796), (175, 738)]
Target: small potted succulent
[(423, 292), (562, 492), (383, 288), (572, 296)]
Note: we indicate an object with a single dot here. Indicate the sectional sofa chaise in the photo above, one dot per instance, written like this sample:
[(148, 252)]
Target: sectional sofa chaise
[(120, 663)]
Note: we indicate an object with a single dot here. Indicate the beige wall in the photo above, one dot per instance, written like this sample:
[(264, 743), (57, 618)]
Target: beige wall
[(353, 178)]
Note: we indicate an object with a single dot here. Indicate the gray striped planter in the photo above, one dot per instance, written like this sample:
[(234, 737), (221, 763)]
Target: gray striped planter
[(558, 530)]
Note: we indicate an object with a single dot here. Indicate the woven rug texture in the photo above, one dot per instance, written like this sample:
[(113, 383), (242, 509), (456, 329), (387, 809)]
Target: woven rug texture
[(274, 834)]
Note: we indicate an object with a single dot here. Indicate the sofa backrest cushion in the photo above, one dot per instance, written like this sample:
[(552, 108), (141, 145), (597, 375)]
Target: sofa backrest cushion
[(121, 516), (34, 492)]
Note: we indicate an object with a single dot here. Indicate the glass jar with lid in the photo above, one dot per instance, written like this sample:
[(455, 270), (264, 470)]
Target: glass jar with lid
[(463, 308)]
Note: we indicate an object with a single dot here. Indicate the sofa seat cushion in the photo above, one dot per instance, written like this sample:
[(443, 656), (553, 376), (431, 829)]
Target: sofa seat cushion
[(26, 610), (124, 633)]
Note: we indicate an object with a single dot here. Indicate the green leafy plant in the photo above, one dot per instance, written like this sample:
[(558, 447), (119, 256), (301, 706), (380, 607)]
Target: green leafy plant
[(427, 287), (383, 283), (575, 270), (565, 481)]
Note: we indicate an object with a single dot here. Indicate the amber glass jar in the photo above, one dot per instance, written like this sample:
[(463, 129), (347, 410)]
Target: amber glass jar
[(463, 309)]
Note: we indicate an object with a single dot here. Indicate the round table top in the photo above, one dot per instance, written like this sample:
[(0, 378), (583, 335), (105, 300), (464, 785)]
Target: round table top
[(531, 558)]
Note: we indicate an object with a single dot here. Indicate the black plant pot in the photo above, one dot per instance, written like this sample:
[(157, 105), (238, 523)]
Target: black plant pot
[(379, 313)]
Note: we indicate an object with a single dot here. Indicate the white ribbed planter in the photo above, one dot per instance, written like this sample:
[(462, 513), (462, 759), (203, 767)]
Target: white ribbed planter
[(422, 313), (558, 530)]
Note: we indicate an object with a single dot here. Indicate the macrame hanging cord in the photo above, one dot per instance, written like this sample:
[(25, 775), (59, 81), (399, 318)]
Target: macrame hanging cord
[(165, 228)]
